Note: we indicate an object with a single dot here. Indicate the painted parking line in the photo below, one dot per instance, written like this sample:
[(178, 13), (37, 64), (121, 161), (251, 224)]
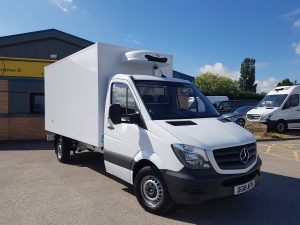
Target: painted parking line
[(288, 151)]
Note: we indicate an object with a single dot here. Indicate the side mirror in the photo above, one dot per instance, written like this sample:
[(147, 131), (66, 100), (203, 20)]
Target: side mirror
[(115, 113), (135, 118)]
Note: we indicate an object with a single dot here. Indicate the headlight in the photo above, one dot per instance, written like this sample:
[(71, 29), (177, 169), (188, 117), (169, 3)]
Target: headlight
[(266, 116), (191, 157)]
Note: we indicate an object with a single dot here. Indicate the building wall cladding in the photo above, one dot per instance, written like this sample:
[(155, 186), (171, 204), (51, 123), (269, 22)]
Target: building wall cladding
[(17, 121), (183, 76), (3, 128), (26, 128), (41, 44), (3, 96), (41, 49), (22, 128), (3, 110), (20, 91)]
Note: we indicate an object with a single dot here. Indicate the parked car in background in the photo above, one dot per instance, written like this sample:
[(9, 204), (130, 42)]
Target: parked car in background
[(239, 115), (279, 109), (231, 105), (214, 99)]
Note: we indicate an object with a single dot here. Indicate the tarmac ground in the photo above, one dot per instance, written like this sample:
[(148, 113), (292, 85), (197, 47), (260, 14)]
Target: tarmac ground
[(36, 189)]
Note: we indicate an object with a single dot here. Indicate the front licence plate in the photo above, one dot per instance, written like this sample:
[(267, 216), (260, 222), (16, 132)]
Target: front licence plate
[(244, 187)]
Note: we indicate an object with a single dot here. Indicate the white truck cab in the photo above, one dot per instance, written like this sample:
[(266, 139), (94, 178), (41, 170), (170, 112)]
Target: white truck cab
[(158, 133), (279, 109)]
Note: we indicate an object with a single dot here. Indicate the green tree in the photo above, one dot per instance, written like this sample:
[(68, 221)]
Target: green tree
[(247, 79), (214, 84), (286, 82)]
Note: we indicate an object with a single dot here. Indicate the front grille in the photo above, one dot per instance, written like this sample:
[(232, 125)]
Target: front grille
[(253, 116), (230, 159)]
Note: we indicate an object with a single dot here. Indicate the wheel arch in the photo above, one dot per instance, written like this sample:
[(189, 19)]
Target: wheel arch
[(137, 166), (281, 121)]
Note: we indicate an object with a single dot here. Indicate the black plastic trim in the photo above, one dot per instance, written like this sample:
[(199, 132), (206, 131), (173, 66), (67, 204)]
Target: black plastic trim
[(181, 123), (118, 159), (156, 59), (273, 122), (293, 121), (189, 186)]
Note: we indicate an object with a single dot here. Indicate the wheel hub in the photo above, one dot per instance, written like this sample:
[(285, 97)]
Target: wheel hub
[(152, 190), (280, 127), (59, 149)]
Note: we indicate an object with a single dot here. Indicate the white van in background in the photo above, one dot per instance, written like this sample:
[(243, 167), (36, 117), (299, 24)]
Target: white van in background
[(279, 109)]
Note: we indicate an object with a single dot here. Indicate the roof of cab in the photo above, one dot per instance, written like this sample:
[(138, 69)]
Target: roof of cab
[(283, 90), (150, 78)]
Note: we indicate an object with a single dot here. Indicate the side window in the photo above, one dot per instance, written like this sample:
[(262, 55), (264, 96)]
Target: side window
[(287, 104), (131, 105), (122, 95), (294, 100)]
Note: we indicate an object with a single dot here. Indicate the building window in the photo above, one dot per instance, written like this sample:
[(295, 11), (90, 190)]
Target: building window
[(37, 103)]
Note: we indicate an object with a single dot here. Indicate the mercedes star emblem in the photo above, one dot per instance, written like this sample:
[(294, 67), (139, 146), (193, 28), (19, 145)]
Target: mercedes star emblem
[(244, 155)]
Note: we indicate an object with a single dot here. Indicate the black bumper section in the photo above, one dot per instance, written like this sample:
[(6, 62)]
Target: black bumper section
[(195, 186)]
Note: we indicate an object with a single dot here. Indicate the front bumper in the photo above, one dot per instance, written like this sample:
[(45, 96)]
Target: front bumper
[(195, 186)]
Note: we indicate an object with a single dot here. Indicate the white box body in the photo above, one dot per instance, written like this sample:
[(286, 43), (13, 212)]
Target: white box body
[(76, 86)]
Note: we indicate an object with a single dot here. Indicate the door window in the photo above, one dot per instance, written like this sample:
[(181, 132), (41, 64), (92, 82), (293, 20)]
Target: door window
[(292, 101), (122, 95)]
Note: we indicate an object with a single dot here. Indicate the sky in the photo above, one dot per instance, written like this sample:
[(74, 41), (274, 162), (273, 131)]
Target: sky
[(202, 35)]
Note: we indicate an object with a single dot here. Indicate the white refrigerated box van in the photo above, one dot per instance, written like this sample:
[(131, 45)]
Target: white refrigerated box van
[(158, 133), (279, 109)]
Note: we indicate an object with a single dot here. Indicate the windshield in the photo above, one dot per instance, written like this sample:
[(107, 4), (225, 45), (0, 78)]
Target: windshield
[(272, 101), (243, 109), (174, 100)]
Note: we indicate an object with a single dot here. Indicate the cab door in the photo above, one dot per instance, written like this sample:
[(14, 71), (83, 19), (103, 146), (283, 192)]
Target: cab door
[(121, 141), (291, 111)]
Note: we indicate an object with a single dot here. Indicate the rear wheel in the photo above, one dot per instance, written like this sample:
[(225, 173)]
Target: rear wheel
[(63, 147), (241, 122), (281, 126), (151, 191)]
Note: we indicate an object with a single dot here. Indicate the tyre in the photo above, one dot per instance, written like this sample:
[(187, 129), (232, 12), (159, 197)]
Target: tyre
[(241, 122), (281, 126), (151, 191), (63, 147)]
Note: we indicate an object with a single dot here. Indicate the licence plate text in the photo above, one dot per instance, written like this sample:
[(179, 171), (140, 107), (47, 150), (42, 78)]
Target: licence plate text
[(244, 187)]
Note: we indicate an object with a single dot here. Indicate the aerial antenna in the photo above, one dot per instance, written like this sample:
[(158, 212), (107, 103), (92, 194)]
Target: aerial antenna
[(155, 67)]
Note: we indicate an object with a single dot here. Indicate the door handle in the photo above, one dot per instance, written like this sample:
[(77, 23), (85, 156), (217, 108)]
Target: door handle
[(111, 127), (298, 109)]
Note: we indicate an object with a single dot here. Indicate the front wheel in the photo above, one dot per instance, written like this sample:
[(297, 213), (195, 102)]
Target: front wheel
[(281, 126), (151, 191)]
